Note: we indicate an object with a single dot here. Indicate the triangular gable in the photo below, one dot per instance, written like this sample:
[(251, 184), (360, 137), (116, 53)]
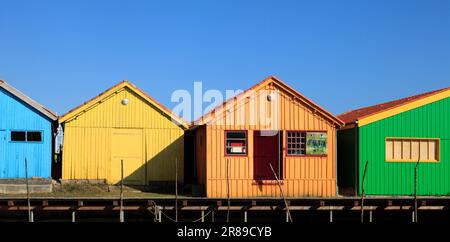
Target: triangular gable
[(87, 105), (38, 107), (367, 115), (208, 117)]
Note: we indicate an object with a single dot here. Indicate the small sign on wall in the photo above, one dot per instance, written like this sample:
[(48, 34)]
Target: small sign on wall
[(316, 143)]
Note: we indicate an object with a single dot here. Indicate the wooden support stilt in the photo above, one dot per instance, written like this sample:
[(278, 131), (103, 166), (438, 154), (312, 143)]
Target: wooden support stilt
[(331, 215)]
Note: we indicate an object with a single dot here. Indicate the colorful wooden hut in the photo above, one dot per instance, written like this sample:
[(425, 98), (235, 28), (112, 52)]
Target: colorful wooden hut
[(267, 132), (123, 123), (26, 132), (385, 145)]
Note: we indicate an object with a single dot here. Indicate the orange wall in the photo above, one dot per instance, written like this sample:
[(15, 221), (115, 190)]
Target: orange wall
[(303, 176)]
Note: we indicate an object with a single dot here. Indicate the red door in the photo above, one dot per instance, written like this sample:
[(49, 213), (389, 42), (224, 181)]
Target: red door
[(266, 151)]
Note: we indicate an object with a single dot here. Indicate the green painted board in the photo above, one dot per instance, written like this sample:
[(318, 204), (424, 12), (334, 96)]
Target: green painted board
[(397, 178)]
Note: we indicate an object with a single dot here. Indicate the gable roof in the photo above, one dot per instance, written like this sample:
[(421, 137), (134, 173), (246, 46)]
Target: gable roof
[(41, 109), (269, 80), (377, 112), (82, 108)]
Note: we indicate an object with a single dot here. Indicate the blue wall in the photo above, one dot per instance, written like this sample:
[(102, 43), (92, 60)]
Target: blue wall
[(16, 115)]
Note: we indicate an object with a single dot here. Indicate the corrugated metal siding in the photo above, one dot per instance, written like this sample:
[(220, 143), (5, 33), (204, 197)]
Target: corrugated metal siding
[(87, 139), (17, 115), (303, 176), (397, 178)]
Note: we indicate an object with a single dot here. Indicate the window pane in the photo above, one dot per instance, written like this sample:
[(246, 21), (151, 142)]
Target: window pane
[(423, 150), (18, 136), (294, 144), (415, 150), (389, 150), (433, 151), (406, 148), (236, 135), (33, 136), (397, 150)]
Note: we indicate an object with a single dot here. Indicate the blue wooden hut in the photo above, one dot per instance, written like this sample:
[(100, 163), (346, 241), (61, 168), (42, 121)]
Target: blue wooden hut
[(26, 132)]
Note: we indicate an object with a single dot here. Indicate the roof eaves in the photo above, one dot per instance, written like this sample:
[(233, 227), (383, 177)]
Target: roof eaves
[(38, 107)]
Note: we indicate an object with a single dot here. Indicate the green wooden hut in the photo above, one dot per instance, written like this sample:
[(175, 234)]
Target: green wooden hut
[(385, 145)]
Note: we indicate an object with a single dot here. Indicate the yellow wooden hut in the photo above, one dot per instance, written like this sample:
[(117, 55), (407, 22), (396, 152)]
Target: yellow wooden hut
[(122, 123)]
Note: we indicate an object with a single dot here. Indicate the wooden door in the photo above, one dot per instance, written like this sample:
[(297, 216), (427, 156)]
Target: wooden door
[(266, 151), (126, 145)]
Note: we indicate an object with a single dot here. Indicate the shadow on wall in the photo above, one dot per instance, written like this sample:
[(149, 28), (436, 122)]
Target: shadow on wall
[(158, 173)]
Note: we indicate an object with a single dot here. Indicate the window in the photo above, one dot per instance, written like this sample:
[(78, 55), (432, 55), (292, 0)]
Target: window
[(26, 136), (296, 143), (33, 136), (235, 143), (412, 149), (18, 136), (306, 143)]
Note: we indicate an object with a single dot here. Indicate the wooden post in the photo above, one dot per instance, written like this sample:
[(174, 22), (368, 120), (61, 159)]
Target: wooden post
[(122, 219), (176, 190), (331, 215), (228, 190), (415, 191), (363, 191), (288, 212), (30, 215), (159, 214)]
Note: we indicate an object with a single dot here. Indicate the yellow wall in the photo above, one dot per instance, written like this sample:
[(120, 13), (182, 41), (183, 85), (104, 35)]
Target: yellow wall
[(303, 176), (87, 139)]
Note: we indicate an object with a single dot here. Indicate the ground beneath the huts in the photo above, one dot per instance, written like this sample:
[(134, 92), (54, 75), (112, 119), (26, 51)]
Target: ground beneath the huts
[(97, 191)]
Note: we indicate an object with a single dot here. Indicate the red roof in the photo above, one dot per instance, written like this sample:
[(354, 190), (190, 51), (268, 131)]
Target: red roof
[(354, 115)]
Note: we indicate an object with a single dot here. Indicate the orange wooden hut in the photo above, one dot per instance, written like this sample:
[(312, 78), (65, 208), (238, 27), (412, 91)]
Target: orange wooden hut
[(270, 130)]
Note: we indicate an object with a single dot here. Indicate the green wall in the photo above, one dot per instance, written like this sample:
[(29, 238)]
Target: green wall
[(397, 178)]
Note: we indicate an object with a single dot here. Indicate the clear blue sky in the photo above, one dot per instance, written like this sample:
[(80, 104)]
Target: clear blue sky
[(341, 54)]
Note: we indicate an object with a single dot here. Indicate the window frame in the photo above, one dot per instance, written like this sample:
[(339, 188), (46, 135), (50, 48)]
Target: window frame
[(305, 155), (225, 144), (26, 136), (411, 139)]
